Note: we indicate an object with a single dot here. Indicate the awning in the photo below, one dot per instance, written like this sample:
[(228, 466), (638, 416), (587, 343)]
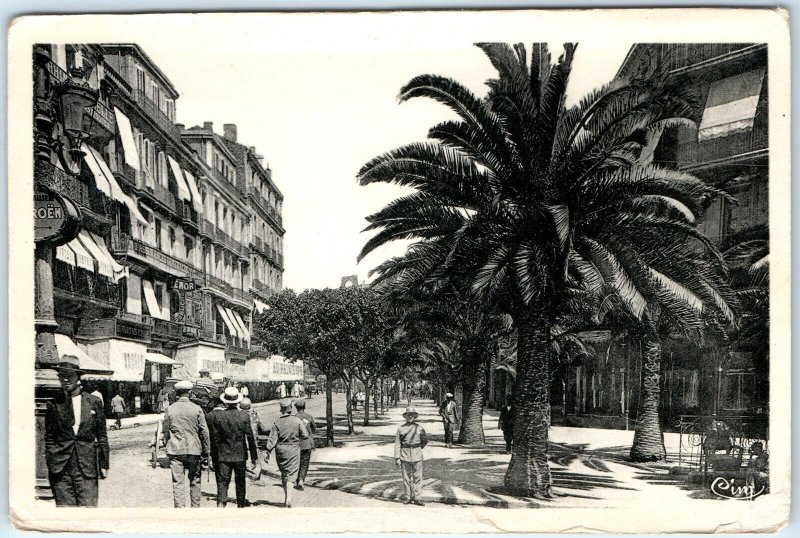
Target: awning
[(107, 183), (66, 346), (197, 200), (158, 358), (103, 263), (242, 324), (235, 322), (66, 255), (228, 322), (126, 135), (731, 105), (183, 189), (119, 271), (150, 299), (82, 256), (260, 307)]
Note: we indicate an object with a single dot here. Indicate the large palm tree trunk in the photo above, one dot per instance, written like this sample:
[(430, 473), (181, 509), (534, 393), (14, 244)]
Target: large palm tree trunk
[(528, 473), (474, 397), (648, 441)]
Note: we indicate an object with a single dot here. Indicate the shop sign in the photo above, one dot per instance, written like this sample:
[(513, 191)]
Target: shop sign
[(49, 215)]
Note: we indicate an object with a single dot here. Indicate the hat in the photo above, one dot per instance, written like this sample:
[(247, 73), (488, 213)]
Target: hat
[(411, 411), (205, 371), (69, 363), (286, 404), (231, 396), (300, 404), (448, 395), (245, 404), (183, 385)]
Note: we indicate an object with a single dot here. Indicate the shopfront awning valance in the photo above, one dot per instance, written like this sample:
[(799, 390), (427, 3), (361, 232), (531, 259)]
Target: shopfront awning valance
[(731, 105), (66, 346), (228, 322), (159, 358), (126, 135), (197, 200), (183, 189)]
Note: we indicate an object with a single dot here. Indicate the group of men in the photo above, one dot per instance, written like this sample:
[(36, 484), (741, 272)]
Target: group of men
[(200, 423), (228, 434)]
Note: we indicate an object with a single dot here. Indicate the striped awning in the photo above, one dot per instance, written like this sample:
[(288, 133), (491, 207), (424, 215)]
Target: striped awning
[(197, 200), (75, 254), (106, 182), (228, 323), (731, 105), (242, 324), (183, 188), (126, 135)]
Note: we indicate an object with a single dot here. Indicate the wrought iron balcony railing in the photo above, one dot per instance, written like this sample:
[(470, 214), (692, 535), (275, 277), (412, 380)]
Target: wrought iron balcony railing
[(156, 114)]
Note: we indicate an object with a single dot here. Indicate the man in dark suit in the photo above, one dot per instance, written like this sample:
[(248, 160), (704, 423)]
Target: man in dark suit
[(450, 417), (231, 441), (76, 443), (506, 424)]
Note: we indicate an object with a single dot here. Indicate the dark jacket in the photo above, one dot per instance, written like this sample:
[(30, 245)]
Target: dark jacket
[(450, 413), (308, 421), (90, 445), (506, 420), (231, 435)]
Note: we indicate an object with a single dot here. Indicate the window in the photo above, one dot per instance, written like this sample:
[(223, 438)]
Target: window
[(158, 233), (189, 246), (216, 214), (170, 109), (171, 238), (158, 288), (156, 95), (140, 79)]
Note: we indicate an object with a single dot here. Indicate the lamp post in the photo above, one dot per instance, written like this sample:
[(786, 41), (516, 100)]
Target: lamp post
[(58, 135)]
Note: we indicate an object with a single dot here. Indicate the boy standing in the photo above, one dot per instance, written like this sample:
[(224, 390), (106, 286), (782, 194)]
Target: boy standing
[(408, 445)]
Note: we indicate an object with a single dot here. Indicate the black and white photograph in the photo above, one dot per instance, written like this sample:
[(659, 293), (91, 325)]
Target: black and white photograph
[(316, 266)]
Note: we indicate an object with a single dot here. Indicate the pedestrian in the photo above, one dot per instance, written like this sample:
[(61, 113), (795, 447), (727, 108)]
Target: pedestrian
[(188, 444), (245, 392), (94, 390), (506, 424), (75, 439), (255, 422), (163, 398), (205, 394), (231, 441), (118, 408), (395, 394), (284, 438), (295, 389), (449, 413), (408, 444), (354, 401), (306, 445), (205, 373), (282, 390), (362, 397)]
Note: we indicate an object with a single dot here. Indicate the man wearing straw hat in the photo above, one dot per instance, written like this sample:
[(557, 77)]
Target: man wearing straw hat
[(285, 437), (75, 438), (231, 441), (408, 444)]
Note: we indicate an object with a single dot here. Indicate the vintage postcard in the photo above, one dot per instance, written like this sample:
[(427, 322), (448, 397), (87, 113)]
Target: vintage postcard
[(432, 272)]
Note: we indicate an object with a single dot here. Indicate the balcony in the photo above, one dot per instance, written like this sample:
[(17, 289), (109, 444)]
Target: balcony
[(124, 173), (206, 228), (156, 114), (242, 295), (693, 153), (188, 215), (167, 330), (123, 244), (161, 194), (124, 325), (220, 285), (84, 287), (92, 202)]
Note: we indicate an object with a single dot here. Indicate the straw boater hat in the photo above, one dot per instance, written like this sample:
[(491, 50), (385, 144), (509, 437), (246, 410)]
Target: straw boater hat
[(448, 395), (231, 396), (69, 363), (183, 385), (410, 411)]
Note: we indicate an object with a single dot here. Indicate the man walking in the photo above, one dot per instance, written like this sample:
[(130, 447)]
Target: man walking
[(188, 444), (408, 444), (231, 441), (118, 408), (75, 440), (306, 445), (450, 417), (506, 424)]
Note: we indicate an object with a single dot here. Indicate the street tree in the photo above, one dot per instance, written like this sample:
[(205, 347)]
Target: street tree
[(520, 189)]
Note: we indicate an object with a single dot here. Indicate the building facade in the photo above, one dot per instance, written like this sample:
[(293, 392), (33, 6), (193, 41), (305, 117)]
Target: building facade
[(181, 231), (728, 147)]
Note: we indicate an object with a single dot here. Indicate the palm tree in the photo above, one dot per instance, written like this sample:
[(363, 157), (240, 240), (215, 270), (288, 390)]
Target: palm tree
[(521, 191)]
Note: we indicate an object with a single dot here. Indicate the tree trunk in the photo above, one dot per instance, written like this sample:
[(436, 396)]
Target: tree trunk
[(349, 407), (366, 402), (528, 473), (474, 397), (329, 410), (648, 441), (375, 397)]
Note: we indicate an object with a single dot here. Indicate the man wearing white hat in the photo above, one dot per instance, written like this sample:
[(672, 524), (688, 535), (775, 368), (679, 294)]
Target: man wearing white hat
[(188, 443), (232, 440), (450, 417), (408, 444)]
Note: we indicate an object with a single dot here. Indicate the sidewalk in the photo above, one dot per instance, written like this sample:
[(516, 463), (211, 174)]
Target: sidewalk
[(588, 466), (146, 419)]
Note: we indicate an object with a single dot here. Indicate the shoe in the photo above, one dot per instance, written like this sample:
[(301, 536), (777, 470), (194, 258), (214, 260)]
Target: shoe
[(299, 487), (407, 501), (418, 502), (287, 505)]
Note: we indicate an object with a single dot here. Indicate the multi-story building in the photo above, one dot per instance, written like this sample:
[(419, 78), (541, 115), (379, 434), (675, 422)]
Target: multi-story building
[(728, 148), (161, 280)]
